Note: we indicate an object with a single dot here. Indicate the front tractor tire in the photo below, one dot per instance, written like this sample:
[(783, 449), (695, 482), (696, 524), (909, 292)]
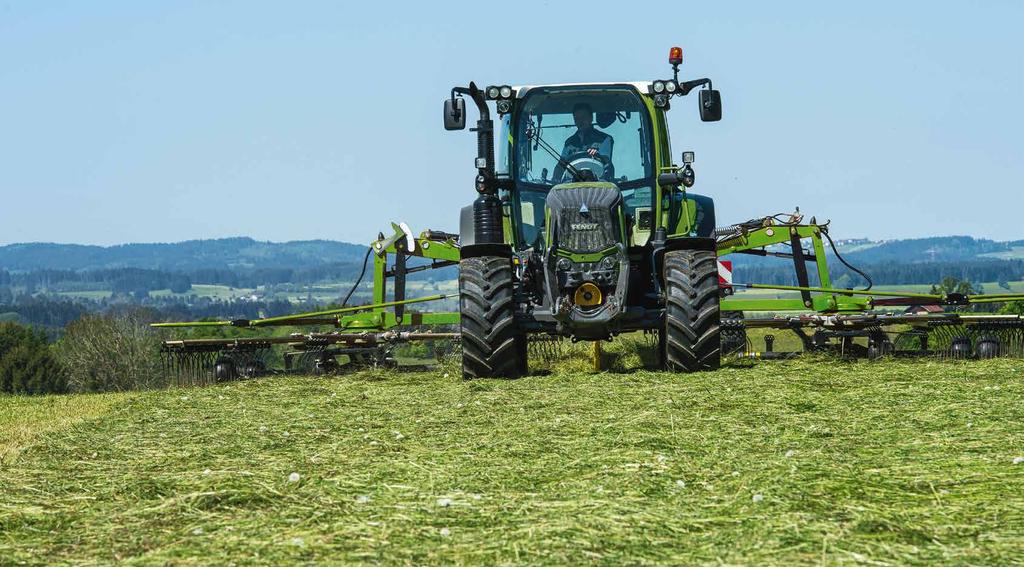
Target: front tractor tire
[(492, 344), (692, 332)]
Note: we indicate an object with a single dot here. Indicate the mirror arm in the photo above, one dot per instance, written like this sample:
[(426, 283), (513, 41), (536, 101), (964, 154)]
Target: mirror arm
[(484, 138), (687, 86), (683, 176)]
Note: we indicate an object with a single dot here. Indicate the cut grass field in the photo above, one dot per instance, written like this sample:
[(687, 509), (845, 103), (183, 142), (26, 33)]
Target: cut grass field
[(808, 461)]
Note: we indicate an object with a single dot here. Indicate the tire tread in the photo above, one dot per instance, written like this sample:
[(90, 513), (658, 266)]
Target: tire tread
[(492, 345), (692, 320)]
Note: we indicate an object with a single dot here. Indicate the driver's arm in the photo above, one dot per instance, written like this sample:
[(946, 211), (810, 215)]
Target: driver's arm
[(602, 148), (605, 148), (567, 149)]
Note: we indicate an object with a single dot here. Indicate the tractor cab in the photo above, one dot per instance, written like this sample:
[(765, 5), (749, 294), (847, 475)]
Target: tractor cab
[(571, 134)]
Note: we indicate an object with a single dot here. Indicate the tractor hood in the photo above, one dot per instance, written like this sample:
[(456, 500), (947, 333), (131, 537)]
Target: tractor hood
[(586, 265), (585, 217)]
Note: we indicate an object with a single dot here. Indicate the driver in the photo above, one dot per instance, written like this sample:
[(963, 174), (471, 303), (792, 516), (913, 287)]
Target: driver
[(587, 139)]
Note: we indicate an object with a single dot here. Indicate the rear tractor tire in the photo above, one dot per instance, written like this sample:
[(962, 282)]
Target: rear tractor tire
[(692, 328), (492, 344)]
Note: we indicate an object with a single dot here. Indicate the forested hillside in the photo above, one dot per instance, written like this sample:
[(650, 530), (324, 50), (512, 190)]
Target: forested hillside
[(48, 285), (224, 253)]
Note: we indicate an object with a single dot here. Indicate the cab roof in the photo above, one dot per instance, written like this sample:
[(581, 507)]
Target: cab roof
[(643, 87)]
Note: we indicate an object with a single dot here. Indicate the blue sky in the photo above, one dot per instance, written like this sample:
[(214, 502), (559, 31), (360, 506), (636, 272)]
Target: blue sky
[(148, 121)]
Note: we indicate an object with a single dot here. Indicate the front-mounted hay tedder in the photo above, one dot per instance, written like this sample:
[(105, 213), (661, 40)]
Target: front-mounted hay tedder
[(583, 228)]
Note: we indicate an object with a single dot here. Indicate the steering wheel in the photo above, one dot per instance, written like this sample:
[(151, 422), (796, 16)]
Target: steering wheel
[(597, 164)]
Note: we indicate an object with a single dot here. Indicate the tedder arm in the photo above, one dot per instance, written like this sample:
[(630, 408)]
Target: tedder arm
[(843, 315), (441, 248), (364, 333)]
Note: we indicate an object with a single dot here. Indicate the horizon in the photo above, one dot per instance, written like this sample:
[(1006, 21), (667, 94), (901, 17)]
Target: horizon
[(150, 123), (332, 241)]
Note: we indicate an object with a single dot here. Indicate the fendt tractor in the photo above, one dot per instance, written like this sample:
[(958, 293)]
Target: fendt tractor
[(583, 226)]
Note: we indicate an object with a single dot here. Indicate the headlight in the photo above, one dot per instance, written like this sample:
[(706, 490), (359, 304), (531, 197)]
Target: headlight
[(659, 87), (492, 92), (506, 91), (671, 86), (607, 263), (564, 264)]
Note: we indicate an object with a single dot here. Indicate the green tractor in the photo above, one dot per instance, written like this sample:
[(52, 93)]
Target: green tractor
[(583, 227)]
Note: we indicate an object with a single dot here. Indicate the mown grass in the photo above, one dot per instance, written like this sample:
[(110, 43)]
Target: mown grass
[(804, 461), (24, 420)]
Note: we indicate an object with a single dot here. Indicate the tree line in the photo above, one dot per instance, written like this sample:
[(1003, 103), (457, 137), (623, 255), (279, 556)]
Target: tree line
[(51, 315), (134, 280)]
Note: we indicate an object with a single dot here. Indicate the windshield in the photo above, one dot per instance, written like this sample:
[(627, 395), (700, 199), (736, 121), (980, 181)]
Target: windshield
[(600, 129), (561, 131)]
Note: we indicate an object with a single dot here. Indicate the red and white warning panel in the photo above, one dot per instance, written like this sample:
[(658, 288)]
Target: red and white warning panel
[(725, 273)]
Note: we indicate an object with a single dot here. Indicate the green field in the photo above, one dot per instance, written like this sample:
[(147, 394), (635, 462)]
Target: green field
[(328, 292), (295, 293), (811, 461), (91, 295), (1014, 253)]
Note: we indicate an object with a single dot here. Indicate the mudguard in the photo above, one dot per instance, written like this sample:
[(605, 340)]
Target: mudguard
[(681, 243), (479, 250)]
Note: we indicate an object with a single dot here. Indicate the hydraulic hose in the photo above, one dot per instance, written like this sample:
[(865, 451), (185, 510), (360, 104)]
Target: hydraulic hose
[(845, 263), (362, 273)]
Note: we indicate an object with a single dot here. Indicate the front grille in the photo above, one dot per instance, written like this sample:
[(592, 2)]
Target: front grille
[(589, 232), (595, 229)]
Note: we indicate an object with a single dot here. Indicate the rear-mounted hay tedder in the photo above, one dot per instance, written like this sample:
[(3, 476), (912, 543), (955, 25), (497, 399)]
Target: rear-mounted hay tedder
[(583, 228)]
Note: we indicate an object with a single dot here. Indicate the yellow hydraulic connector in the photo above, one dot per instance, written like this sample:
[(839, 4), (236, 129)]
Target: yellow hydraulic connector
[(588, 295)]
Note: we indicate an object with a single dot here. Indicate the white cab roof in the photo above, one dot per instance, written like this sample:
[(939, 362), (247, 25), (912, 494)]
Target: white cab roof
[(642, 86)]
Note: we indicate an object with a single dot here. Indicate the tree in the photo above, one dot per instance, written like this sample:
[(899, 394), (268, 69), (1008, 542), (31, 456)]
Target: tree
[(26, 364), (950, 285), (180, 284), (113, 352), (1015, 308)]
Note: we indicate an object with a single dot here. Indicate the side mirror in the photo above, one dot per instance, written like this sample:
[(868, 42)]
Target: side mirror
[(455, 113), (710, 105)]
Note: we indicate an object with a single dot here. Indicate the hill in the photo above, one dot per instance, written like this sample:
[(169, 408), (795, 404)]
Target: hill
[(244, 253), (934, 249), (788, 463), (191, 255)]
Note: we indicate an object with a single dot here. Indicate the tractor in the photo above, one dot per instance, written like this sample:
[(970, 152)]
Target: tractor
[(583, 226)]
